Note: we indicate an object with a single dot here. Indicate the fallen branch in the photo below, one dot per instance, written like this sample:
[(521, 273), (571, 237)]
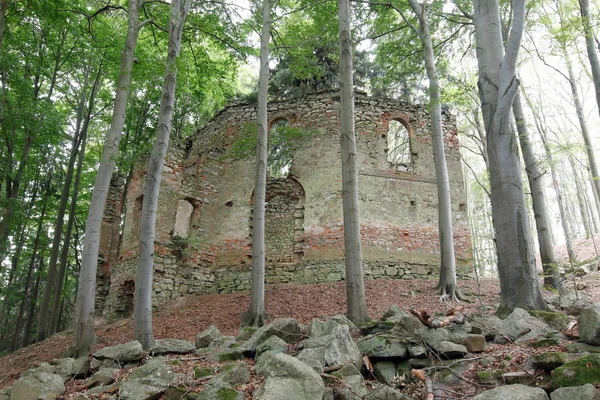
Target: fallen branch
[(422, 376), (433, 322)]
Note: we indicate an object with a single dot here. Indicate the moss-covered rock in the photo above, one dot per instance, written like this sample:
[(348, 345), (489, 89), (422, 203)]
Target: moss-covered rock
[(550, 360), (489, 376), (579, 372), (202, 372), (556, 320), (547, 341)]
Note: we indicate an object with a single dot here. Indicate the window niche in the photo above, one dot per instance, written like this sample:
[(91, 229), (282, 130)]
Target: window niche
[(398, 147), (279, 158)]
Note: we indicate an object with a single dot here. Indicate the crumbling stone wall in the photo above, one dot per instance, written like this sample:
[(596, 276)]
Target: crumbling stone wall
[(203, 241)]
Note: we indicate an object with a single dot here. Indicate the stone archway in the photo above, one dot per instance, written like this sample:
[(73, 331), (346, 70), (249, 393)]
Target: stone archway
[(284, 221)]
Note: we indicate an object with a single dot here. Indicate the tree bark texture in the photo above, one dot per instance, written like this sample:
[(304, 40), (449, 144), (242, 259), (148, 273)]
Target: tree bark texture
[(538, 198), (84, 336), (497, 87), (355, 288), (256, 314), (143, 288)]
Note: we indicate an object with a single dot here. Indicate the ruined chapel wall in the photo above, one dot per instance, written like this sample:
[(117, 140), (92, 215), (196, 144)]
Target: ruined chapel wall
[(398, 207)]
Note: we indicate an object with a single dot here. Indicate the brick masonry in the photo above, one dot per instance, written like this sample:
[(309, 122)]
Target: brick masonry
[(203, 237)]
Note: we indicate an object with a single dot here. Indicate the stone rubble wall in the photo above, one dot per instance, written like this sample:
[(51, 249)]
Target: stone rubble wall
[(398, 204)]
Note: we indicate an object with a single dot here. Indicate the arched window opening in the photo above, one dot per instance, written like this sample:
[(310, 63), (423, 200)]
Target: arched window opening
[(280, 156), (398, 144)]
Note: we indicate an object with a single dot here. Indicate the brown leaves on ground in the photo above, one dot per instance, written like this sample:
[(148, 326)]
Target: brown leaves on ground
[(187, 316)]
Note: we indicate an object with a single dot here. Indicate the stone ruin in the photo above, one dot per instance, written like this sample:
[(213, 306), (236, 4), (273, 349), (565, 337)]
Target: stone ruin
[(204, 221)]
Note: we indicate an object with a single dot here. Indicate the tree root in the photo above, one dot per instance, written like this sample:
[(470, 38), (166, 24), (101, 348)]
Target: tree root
[(253, 319)]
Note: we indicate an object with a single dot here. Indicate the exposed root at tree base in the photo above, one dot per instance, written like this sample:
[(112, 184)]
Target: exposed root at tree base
[(253, 319), (450, 294)]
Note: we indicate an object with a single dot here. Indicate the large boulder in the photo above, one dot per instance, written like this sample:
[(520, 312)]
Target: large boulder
[(578, 372), (122, 353), (513, 392), (385, 371), (340, 347), (38, 386), (137, 390), (105, 376), (219, 390), (587, 392), (288, 378), (383, 346), (287, 329), (521, 326), (386, 393), (589, 324), (550, 360)]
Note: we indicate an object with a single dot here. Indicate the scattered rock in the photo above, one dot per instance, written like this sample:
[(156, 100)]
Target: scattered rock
[(136, 390), (386, 393), (449, 350), (578, 372), (554, 319), (385, 371), (234, 374), (105, 376), (521, 326), (340, 347), (288, 378), (203, 339), (550, 360), (218, 390), (38, 386), (383, 346), (580, 347), (587, 392), (122, 353), (172, 346), (310, 358), (513, 392), (287, 329), (272, 343), (589, 324)]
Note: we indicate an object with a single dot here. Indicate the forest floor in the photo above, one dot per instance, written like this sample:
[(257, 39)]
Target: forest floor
[(189, 315)]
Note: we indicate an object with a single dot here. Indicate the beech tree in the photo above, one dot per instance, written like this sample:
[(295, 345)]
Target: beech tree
[(355, 288), (255, 315), (143, 290), (83, 335), (447, 286), (498, 85)]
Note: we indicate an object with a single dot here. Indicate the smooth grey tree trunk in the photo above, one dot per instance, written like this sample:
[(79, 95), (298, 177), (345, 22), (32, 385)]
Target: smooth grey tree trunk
[(447, 286), (355, 288), (143, 288), (595, 67), (581, 200), (256, 314), (538, 198), (84, 336), (541, 128), (498, 85), (585, 134)]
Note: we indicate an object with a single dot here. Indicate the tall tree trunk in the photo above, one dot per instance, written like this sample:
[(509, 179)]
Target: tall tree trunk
[(582, 122), (34, 256), (143, 288), (32, 304), (541, 128), (73, 206), (497, 87), (84, 336), (595, 66), (3, 7), (448, 289), (581, 201), (51, 281), (256, 314), (21, 237), (538, 198), (355, 287)]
